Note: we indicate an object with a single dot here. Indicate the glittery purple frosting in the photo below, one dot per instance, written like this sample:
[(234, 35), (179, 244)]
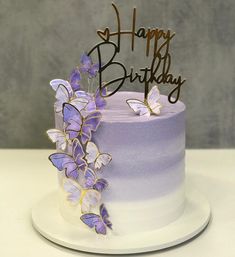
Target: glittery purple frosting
[(148, 153)]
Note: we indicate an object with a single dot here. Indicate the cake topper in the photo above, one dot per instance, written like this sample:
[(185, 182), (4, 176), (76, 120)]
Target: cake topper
[(159, 70)]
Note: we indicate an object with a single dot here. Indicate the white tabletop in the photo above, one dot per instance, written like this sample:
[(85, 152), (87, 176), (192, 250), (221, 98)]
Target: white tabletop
[(27, 175)]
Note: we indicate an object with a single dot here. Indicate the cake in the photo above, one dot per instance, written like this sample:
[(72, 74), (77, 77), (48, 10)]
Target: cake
[(140, 180), (120, 154)]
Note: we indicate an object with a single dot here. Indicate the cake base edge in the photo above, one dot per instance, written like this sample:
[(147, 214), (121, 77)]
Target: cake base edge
[(52, 226)]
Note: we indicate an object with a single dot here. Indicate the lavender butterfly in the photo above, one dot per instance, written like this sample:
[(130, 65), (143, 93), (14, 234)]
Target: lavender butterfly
[(88, 67), (88, 198), (65, 94), (79, 126), (99, 222), (92, 182), (149, 106), (75, 79), (72, 163), (96, 101), (94, 156), (59, 137)]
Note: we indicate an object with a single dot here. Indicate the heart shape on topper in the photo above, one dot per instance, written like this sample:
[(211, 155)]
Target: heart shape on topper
[(105, 35)]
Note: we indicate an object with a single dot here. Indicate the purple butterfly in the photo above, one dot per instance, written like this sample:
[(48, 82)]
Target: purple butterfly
[(94, 102), (87, 198), (77, 125), (73, 163), (99, 98), (75, 79), (99, 222), (88, 67), (55, 83), (92, 182), (65, 94)]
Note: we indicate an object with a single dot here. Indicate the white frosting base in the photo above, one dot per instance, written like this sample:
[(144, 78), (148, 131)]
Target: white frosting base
[(127, 215)]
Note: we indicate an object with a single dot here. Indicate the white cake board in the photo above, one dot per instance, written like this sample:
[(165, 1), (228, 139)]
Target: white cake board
[(49, 223)]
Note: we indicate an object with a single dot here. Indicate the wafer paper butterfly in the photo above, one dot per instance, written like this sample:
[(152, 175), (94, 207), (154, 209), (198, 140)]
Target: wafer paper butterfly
[(79, 126), (94, 102), (94, 156), (88, 67), (149, 106), (99, 222), (59, 137), (92, 182), (65, 94), (75, 79), (72, 163), (77, 195)]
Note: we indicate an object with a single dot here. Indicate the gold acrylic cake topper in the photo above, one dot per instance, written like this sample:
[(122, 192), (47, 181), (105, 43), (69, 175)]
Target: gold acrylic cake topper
[(159, 70)]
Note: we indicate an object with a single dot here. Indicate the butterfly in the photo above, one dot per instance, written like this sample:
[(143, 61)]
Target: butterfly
[(99, 222), (71, 163), (88, 67), (149, 106), (94, 156), (65, 94), (55, 83), (59, 137), (75, 79), (95, 101), (92, 182), (77, 125), (77, 195)]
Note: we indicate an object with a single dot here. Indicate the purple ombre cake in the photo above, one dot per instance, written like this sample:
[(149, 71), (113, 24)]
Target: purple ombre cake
[(146, 175)]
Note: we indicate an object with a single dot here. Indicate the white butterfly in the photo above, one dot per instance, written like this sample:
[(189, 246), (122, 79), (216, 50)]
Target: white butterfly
[(150, 106), (59, 137), (88, 198), (65, 94), (94, 156)]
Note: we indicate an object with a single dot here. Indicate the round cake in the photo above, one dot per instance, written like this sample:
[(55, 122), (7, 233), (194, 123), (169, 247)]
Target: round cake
[(146, 175)]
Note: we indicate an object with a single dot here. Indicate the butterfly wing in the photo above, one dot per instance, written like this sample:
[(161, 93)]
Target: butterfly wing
[(75, 79), (94, 68), (99, 99), (58, 137), (93, 120), (100, 184), (78, 155), (91, 123), (102, 160), (62, 96), (153, 100), (138, 107), (86, 63), (90, 200), (91, 106), (92, 152), (90, 178), (73, 118), (73, 190), (100, 228), (104, 214), (94, 221), (79, 103), (65, 162), (55, 83)]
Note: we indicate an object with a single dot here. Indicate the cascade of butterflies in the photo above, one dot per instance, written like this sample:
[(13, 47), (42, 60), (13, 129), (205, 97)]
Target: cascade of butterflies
[(78, 159)]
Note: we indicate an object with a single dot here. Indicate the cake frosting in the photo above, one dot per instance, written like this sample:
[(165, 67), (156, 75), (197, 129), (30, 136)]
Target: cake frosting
[(146, 175)]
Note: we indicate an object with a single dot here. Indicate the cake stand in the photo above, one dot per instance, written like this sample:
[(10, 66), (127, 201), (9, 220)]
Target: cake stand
[(49, 223)]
